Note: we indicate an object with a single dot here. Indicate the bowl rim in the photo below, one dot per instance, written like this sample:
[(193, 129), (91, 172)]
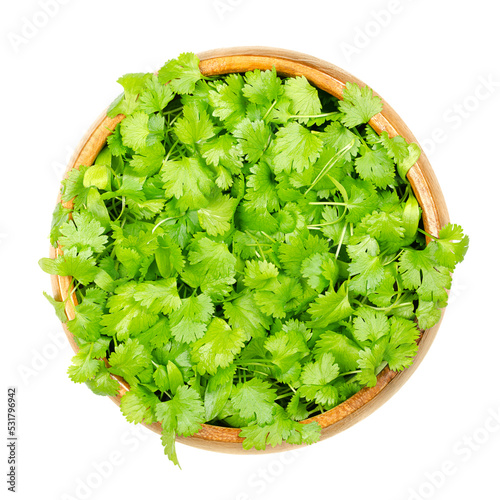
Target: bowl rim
[(331, 79)]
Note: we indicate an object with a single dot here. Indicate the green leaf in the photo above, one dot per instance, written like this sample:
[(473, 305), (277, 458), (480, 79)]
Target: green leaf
[(158, 296), (218, 347), (188, 181), (451, 246), (102, 384), (343, 349), (217, 393), (155, 96), (216, 217), (420, 272), (316, 377), (404, 154), (135, 130), (428, 314), (138, 405), (79, 265), (129, 359), (375, 165), (211, 267), (262, 87), (358, 104), (330, 307), (243, 313), (228, 100), (253, 138), (304, 97), (195, 127), (183, 414), (282, 429), (83, 232), (254, 400), (296, 148), (190, 321), (181, 74)]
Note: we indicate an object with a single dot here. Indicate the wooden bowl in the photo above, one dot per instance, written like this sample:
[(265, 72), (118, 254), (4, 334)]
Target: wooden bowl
[(421, 176)]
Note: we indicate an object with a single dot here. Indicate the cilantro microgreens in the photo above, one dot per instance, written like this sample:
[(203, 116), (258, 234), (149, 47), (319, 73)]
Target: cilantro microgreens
[(245, 251)]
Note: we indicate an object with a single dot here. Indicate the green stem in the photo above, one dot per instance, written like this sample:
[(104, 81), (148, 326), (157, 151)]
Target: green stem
[(322, 115), (428, 235), (341, 203), (330, 164), (349, 373), (394, 258), (253, 371), (269, 110), (340, 242)]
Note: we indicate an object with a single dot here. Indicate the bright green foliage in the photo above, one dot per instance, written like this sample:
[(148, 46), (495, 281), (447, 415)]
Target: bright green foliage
[(181, 73), (183, 415), (359, 105), (129, 359), (316, 377), (245, 251), (194, 127), (304, 97), (254, 400), (218, 347), (296, 148), (330, 307)]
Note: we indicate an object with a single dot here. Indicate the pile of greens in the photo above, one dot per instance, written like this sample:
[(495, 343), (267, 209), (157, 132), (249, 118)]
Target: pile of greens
[(246, 251)]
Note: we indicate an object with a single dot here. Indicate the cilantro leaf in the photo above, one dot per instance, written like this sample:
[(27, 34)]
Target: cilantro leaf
[(183, 414), (304, 97), (181, 73), (282, 429), (139, 405), (190, 321), (358, 104), (375, 165), (80, 265), (83, 232), (243, 313), (262, 87), (253, 138), (215, 218), (420, 272), (188, 181), (129, 359), (330, 307), (195, 126), (155, 97), (316, 377), (211, 267), (218, 346), (295, 148), (158, 296), (451, 246), (254, 400)]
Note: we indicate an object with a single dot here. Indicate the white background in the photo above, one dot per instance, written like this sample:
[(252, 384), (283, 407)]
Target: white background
[(430, 61)]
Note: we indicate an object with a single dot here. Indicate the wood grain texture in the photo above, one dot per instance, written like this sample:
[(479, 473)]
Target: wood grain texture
[(421, 176)]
